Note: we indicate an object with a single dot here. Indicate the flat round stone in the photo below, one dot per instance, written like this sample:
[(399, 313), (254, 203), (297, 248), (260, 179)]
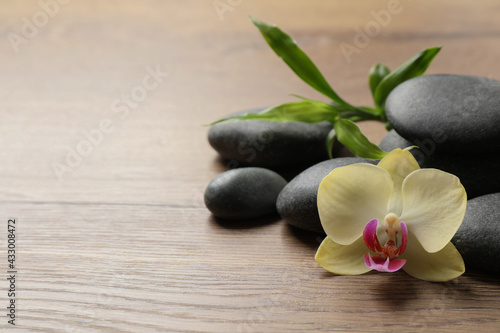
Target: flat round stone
[(244, 193), (477, 238), (269, 144), (458, 113), (297, 202), (478, 173)]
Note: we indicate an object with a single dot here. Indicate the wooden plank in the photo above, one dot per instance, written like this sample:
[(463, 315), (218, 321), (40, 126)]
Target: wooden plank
[(121, 240)]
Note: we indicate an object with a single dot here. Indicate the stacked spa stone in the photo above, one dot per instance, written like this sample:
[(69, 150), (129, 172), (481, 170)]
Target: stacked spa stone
[(455, 122), (269, 144), (297, 203), (477, 239), (244, 193), (249, 190)]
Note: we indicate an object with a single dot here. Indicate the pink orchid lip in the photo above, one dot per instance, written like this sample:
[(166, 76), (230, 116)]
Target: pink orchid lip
[(404, 238), (383, 264), (370, 236), (385, 258)]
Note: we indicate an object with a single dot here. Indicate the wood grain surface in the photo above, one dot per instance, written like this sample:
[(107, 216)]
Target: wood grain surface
[(117, 239)]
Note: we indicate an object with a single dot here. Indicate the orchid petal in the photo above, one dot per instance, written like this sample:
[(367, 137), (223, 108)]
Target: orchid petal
[(434, 205), (349, 197), (342, 259), (440, 266), (383, 264), (399, 164), (370, 236)]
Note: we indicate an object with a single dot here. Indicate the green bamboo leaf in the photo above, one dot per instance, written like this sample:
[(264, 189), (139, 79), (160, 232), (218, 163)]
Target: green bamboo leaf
[(359, 113), (414, 67), (307, 111), (286, 48), (349, 134), (330, 141), (377, 74)]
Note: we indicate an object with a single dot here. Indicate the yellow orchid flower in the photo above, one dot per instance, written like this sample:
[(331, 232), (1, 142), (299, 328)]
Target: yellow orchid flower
[(362, 206)]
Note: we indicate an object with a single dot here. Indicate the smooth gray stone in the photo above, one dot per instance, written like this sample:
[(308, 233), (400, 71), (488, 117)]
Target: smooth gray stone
[(393, 140), (477, 172), (478, 237), (244, 193), (269, 144), (461, 113), (297, 202)]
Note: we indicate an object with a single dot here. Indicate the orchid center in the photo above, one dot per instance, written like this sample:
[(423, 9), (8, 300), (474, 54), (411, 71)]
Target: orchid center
[(391, 228), (385, 258)]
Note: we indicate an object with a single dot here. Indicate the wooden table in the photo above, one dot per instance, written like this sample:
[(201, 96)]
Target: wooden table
[(104, 161)]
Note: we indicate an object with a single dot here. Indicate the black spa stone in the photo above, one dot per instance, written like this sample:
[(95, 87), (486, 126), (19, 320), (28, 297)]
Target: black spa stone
[(478, 237), (461, 113), (244, 193), (269, 144), (297, 202)]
